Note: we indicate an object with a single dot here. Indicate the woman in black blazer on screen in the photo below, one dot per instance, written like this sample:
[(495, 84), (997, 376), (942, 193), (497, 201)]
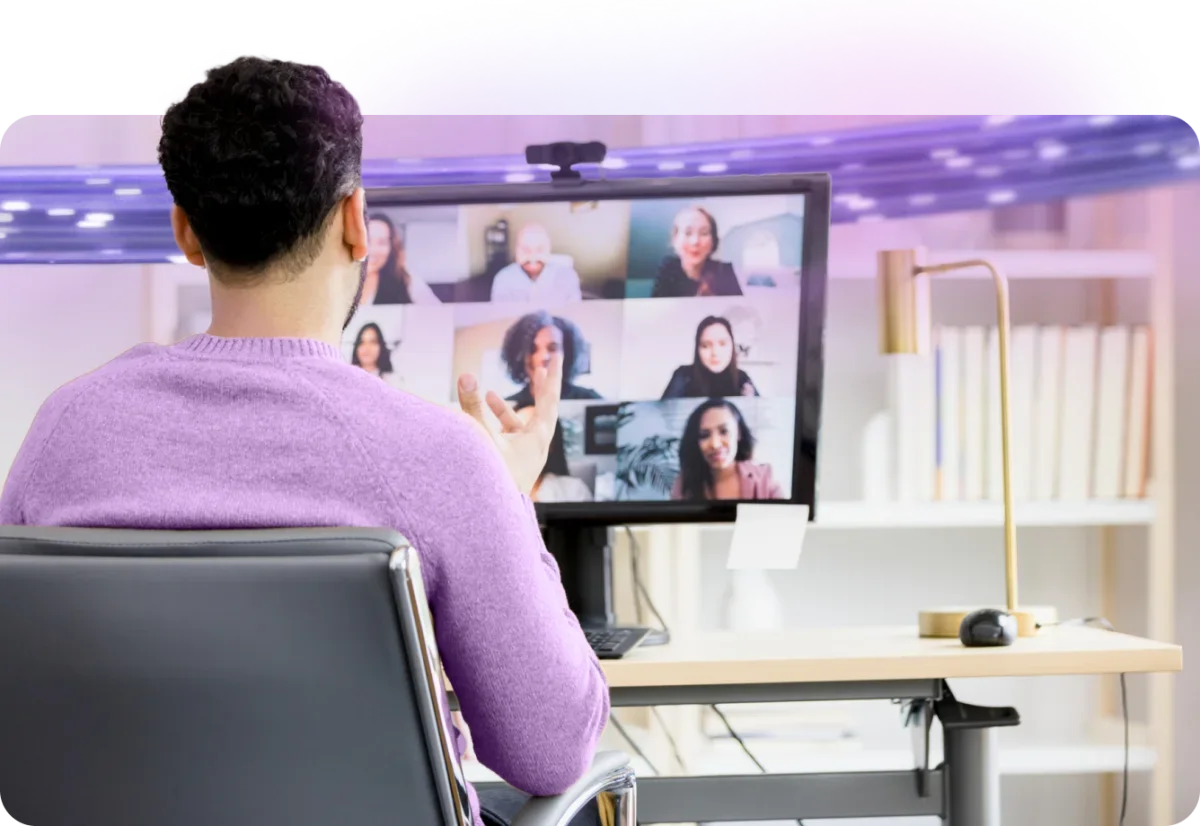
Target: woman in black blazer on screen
[(692, 271), (714, 371)]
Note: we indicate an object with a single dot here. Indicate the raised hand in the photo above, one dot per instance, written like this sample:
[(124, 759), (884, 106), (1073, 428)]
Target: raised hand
[(522, 440)]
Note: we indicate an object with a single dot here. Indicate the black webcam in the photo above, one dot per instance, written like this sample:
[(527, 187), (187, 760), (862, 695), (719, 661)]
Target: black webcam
[(565, 155)]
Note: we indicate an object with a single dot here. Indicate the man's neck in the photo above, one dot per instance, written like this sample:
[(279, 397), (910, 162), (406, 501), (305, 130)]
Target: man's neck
[(303, 307)]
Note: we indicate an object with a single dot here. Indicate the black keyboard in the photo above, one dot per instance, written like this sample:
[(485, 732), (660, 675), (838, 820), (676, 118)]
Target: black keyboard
[(614, 643)]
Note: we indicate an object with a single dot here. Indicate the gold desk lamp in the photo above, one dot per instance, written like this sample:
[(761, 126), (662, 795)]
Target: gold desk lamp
[(905, 328)]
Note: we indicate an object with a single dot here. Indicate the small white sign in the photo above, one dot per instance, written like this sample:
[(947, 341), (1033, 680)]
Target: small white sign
[(767, 537)]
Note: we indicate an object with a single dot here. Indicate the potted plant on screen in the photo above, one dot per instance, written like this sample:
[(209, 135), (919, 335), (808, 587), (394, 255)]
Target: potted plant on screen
[(650, 464)]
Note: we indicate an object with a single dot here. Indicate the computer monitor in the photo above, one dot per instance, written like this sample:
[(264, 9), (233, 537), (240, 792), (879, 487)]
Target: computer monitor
[(690, 314)]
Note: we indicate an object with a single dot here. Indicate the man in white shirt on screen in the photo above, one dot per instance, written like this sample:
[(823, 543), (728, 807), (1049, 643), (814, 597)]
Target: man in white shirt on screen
[(536, 276)]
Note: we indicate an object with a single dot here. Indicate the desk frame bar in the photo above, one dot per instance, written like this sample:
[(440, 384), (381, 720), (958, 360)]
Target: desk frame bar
[(703, 695), (787, 797)]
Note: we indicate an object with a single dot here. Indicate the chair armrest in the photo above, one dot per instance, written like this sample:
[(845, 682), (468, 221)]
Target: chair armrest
[(610, 772)]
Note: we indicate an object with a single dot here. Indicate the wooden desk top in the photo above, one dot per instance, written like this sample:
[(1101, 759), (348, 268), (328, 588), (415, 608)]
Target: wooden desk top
[(876, 654)]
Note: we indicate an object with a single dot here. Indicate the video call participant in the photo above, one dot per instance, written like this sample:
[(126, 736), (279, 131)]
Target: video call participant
[(556, 484), (372, 354), (714, 369), (250, 425), (388, 281), (692, 271), (528, 347), (534, 277), (714, 458)]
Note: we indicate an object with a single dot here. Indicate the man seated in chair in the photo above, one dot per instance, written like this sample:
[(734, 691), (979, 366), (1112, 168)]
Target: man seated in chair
[(260, 423)]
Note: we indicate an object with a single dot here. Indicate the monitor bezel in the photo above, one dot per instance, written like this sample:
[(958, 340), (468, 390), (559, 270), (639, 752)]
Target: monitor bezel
[(816, 187)]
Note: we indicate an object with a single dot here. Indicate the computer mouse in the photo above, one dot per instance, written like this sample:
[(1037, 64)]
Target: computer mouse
[(987, 627)]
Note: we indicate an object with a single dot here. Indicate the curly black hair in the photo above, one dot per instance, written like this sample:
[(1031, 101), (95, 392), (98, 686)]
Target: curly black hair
[(258, 156), (694, 473), (518, 344)]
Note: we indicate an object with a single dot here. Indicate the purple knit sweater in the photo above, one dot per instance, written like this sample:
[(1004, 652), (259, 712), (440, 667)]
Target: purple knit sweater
[(261, 433)]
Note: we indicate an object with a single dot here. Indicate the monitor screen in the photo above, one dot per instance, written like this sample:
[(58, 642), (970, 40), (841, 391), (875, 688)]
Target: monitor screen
[(686, 321)]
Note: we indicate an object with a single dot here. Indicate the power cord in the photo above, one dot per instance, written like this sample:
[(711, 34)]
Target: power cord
[(641, 593), (1108, 626), (742, 743), (670, 739), (612, 718)]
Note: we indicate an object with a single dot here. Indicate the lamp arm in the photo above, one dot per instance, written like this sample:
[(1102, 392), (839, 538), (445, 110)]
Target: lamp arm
[(1002, 325)]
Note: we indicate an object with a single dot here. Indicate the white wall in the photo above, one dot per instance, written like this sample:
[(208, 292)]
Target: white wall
[(57, 323)]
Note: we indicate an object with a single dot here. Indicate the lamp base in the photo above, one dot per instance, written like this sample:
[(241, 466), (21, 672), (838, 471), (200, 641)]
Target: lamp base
[(943, 623)]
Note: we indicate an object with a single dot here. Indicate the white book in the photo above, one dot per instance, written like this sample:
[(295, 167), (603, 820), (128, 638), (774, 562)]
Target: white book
[(949, 343), (912, 404), (1076, 440), (973, 398), (1022, 383), (1137, 438), (1047, 413), (994, 489), (1112, 402)]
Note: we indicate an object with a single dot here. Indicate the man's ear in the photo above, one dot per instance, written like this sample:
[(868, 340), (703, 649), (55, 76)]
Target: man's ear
[(185, 238), (354, 224)]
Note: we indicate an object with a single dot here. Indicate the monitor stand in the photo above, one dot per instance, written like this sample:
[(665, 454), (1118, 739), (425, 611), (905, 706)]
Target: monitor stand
[(584, 556)]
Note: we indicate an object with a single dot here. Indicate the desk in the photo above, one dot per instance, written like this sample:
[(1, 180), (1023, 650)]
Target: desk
[(859, 664)]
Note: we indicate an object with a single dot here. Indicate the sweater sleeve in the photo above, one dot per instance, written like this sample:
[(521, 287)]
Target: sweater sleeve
[(529, 686), (17, 498)]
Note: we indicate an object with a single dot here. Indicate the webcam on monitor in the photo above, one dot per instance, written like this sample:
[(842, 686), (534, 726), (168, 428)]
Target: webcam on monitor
[(565, 155)]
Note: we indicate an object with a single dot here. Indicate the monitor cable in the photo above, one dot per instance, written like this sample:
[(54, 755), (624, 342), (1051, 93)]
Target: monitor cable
[(612, 718), (635, 553), (1108, 626), (662, 634), (642, 595)]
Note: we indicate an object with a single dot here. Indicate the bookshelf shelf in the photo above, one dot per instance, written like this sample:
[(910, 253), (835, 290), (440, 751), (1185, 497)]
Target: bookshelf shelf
[(1018, 264), (870, 515)]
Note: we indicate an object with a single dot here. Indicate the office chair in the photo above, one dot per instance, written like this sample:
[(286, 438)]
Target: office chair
[(239, 678)]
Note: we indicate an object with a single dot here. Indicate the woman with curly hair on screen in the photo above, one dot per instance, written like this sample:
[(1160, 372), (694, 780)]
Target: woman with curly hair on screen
[(715, 455), (529, 345)]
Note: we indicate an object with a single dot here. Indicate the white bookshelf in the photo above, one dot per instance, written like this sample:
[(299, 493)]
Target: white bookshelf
[(880, 527), (875, 516)]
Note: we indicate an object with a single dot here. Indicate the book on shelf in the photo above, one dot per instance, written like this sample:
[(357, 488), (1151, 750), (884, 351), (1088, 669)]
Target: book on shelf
[(1079, 415)]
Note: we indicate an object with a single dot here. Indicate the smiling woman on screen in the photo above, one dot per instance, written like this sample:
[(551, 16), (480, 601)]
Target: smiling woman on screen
[(715, 455), (692, 271)]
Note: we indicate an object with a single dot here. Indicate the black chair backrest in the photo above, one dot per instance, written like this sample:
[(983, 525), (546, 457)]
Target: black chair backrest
[(219, 678)]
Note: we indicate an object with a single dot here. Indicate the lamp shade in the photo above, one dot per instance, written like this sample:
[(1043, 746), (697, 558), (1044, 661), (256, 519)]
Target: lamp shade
[(904, 307)]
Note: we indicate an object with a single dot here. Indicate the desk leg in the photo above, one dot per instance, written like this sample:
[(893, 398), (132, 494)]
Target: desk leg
[(972, 759), (973, 769)]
